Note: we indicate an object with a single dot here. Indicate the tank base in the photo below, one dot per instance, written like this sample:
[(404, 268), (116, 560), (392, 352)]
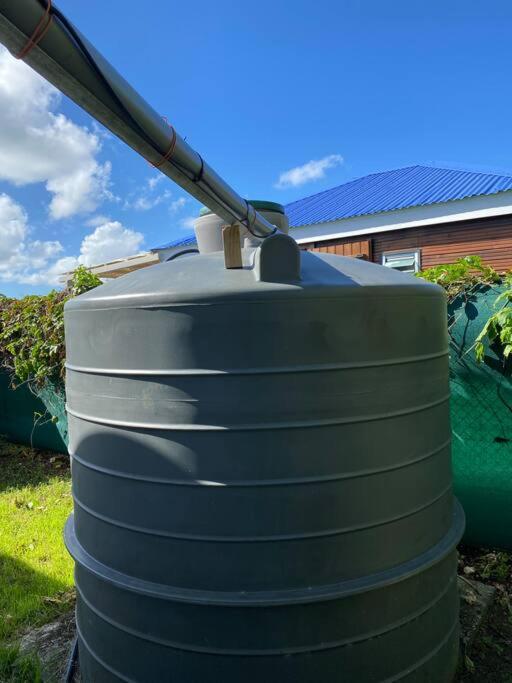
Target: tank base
[(402, 625)]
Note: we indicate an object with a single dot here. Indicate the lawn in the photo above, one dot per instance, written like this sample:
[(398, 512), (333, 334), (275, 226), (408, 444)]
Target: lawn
[(36, 572)]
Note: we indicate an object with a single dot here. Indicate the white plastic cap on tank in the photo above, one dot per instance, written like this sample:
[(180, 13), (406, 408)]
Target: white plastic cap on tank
[(208, 226)]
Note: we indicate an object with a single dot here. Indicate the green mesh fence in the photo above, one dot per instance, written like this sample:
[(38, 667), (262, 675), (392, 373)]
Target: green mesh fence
[(481, 409), (37, 419), (53, 398)]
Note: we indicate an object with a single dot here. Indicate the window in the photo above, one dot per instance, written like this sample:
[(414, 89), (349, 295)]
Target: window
[(406, 261)]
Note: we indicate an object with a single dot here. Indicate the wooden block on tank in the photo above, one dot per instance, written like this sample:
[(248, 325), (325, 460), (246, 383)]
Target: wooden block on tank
[(232, 249)]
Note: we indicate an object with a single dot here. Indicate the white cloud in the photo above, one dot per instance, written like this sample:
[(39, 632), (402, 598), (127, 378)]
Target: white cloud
[(39, 262), (147, 198), (52, 275), (178, 204), (109, 241), (19, 255), (312, 170), (188, 222), (155, 180), (38, 145), (146, 202), (96, 220), (13, 226)]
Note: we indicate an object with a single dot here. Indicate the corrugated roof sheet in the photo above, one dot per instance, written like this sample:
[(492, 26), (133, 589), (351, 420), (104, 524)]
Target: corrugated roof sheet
[(392, 190), (181, 242), (387, 191)]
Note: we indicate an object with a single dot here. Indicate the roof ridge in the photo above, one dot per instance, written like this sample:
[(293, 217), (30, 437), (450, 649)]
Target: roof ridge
[(384, 191), (499, 174), (402, 168)]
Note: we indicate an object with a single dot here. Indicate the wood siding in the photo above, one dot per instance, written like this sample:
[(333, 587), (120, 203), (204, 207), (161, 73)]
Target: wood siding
[(359, 249), (490, 238)]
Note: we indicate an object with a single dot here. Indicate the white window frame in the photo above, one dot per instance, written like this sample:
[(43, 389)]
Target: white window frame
[(388, 256)]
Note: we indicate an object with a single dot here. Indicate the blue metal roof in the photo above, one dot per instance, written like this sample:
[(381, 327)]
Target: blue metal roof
[(387, 191), (392, 190), (181, 242)]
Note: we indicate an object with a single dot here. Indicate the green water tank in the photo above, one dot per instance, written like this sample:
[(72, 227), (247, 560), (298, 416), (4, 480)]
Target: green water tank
[(261, 473)]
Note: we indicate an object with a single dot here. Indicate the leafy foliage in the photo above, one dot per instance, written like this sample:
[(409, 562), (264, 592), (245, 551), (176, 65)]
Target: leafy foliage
[(32, 331), (462, 276), (463, 279), (497, 331), (83, 280)]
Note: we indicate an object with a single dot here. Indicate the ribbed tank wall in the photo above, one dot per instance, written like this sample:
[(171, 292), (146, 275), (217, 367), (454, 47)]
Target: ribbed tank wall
[(262, 476)]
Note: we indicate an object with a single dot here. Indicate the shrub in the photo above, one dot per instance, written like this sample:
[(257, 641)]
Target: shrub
[(32, 347)]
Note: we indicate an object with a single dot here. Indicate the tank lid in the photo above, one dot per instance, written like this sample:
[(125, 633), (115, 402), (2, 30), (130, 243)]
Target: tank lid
[(258, 204)]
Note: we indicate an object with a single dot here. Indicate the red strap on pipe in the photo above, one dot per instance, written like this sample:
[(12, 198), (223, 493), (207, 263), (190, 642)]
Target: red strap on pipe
[(172, 145), (39, 32)]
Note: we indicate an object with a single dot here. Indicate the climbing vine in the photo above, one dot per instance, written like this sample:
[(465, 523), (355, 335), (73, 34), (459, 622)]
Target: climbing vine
[(462, 277), (462, 280), (32, 345), (497, 331)]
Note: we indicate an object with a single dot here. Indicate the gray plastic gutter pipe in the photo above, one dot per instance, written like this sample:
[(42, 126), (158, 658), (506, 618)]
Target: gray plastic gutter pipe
[(66, 59)]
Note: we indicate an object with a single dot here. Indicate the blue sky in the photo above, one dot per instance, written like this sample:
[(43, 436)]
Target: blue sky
[(260, 89)]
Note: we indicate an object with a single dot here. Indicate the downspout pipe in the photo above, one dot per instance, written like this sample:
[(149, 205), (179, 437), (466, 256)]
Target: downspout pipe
[(66, 59)]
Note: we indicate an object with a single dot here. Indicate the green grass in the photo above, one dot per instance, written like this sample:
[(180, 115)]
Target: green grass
[(35, 569), (16, 668)]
